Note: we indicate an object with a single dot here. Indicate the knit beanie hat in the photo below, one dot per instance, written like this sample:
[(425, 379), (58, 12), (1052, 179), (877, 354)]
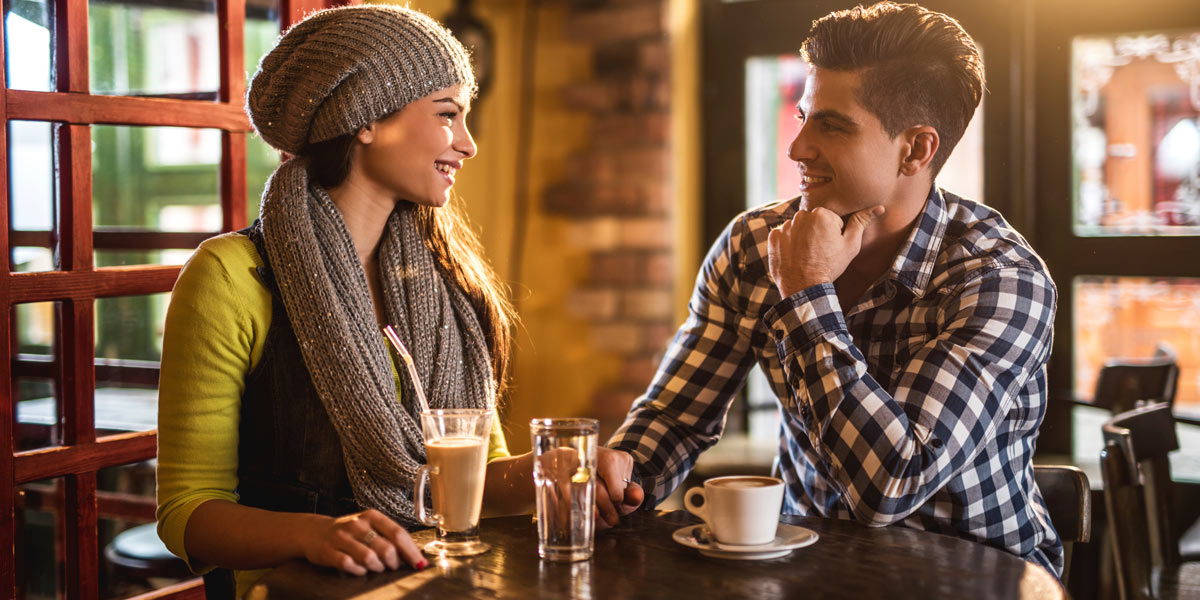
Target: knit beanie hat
[(342, 68)]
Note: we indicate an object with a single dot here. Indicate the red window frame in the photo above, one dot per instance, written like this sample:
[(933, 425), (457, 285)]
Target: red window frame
[(78, 282)]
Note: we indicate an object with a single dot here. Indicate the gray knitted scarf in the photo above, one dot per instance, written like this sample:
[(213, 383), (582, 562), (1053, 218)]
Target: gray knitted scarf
[(324, 290)]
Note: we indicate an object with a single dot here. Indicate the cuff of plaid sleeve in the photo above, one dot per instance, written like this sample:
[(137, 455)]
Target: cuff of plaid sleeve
[(641, 477), (641, 474), (796, 321)]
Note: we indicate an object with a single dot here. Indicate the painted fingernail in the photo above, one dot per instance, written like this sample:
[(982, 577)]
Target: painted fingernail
[(421, 565)]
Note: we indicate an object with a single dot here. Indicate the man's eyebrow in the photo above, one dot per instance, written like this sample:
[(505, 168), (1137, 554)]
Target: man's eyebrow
[(451, 101), (828, 114)]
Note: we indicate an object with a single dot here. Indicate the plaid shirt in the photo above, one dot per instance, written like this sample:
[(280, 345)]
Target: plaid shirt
[(919, 406)]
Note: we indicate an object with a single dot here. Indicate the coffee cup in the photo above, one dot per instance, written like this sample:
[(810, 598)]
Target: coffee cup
[(741, 510)]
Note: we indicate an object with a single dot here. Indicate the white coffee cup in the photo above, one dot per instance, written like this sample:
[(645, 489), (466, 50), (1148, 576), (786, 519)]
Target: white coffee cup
[(741, 510)]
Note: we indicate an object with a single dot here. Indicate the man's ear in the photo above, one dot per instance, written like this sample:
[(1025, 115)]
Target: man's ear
[(366, 134), (922, 145)]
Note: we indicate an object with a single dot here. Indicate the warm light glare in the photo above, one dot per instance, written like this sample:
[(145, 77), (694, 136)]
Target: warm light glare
[(1179, 150), (29, 66), (1135, 103), (1128, 318)]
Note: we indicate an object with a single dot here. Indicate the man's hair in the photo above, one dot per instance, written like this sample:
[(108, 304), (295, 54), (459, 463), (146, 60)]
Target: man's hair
[(918, 67)]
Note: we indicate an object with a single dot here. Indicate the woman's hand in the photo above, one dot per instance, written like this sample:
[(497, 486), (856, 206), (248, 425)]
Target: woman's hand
[(360, 542)]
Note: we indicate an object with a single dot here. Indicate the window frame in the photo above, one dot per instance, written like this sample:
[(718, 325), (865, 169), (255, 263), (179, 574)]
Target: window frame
[(1054, 25), (77, 282)]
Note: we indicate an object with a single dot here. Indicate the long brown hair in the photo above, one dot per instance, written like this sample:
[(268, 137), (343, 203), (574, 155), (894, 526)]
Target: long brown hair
[(455, 246)]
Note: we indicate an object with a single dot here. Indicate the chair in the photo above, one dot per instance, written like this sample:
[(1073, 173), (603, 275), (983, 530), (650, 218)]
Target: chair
[(138, 553), (1136, 473), (1068, 498), (1125, 384)]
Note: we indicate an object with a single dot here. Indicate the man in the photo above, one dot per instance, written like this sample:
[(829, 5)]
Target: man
[(904, 330)]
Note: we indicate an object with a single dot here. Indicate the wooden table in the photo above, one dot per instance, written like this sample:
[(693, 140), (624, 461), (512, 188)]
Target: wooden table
[(638, 559)]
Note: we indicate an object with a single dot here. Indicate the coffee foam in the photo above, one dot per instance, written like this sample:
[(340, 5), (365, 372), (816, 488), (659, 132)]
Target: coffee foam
[(743, 482)]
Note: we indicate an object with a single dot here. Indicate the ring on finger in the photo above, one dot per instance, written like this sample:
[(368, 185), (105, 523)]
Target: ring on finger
[(369, 537)]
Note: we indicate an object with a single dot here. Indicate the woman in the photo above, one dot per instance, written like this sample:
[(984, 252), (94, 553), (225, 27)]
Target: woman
[(284, 428)]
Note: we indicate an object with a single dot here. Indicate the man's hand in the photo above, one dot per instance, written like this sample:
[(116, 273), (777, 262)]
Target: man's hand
[(814, 248), (616, 496)]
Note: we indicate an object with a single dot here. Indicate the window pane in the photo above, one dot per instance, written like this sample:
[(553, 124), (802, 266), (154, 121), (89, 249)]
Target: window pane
[(125, 499), (763, 420), (142, 49), (129, 332), (27, 30), (33, 375), (31, 194), (963, 171), (774, 84), (261, 160), (262, 29), (164, 179), (32, 258), (1130, 317), (1136, 127), (40, 506), (130, 327)]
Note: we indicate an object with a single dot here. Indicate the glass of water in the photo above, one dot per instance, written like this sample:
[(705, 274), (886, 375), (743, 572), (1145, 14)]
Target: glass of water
[(564, 464)]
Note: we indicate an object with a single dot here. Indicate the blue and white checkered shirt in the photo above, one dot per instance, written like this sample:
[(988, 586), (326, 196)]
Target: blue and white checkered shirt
[(919, 406)]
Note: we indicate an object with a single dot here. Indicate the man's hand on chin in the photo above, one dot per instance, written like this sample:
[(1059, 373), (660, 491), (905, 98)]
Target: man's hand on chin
[(814, 247)]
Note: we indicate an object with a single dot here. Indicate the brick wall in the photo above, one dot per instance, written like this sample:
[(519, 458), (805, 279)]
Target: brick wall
[(616, 193)]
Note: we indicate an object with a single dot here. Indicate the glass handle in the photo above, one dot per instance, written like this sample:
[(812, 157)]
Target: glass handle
[(427, 519)]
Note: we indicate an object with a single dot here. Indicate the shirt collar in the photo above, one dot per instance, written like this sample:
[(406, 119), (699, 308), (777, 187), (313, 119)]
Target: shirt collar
[(914, 263)]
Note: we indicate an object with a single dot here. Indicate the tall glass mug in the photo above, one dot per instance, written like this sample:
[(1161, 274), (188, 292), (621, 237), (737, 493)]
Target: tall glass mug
[(456, 447), (564, 462)]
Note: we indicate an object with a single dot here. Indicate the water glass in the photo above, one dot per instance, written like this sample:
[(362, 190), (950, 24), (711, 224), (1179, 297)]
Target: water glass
[(564, 464)]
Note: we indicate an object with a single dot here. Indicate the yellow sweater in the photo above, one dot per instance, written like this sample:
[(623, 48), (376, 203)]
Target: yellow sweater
[(216, 327)]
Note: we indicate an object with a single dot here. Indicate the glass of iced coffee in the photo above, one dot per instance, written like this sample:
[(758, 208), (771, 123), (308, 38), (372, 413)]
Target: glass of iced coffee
[(456, 444)]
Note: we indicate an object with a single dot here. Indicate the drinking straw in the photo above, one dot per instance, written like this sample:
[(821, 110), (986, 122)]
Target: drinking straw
[(408, 362)]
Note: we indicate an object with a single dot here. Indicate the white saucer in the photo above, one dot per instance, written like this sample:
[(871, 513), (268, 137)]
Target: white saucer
[(787, 538)]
